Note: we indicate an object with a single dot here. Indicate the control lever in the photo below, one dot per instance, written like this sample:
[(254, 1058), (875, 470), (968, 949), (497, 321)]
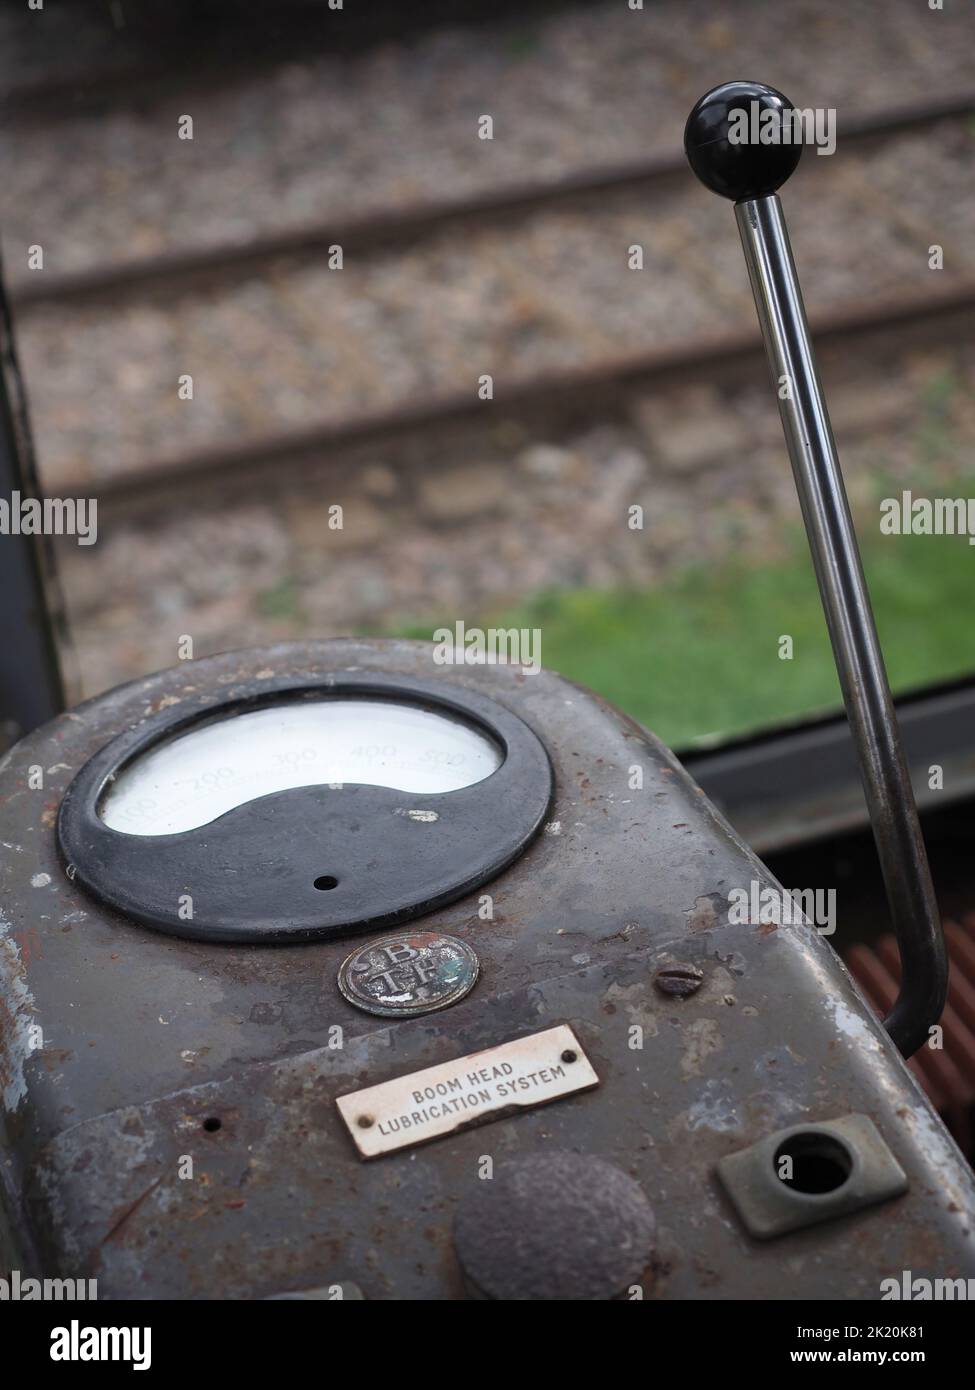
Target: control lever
[(749, 172)]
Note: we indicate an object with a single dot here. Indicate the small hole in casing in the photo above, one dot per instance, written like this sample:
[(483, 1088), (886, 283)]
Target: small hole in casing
[(325, 882), (813, 1163)]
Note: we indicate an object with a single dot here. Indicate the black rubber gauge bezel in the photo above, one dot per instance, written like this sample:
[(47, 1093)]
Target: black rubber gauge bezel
[(249, 875)]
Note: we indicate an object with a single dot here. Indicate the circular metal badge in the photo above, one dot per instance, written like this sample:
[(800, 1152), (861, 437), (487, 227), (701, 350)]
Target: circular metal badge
[(412, 972)]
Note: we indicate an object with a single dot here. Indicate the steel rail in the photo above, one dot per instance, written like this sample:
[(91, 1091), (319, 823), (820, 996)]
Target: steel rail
[(187, 271)]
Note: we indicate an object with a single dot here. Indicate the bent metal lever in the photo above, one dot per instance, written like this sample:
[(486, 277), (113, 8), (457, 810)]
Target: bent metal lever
[(749, 172)]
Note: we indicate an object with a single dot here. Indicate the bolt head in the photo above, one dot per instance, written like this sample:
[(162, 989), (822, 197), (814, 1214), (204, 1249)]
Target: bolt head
[(678, 979)]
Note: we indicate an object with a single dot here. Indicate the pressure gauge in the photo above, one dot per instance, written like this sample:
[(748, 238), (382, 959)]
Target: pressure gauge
[(190, 780), (285, 810)]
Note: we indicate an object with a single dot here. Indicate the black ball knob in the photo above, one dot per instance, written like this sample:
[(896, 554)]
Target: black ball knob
[(724, 143)]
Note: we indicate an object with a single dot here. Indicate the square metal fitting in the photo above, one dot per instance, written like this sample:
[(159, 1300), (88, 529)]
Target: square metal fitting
[(810, 1173)]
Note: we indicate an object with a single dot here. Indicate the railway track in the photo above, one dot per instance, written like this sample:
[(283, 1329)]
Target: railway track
[(294, 361), (523, 279), (163, 258), (555, 397), (198, 269)]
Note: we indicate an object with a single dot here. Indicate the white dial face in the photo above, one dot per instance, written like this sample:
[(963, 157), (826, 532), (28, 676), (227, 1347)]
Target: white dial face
[(206, 772)]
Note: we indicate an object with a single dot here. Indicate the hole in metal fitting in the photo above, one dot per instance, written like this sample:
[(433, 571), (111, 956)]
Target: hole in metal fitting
[(817, 1163), (212, 1123), (325, 882)]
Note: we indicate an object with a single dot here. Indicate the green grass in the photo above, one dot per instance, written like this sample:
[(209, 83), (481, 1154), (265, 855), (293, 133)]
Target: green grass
[(699, 655)]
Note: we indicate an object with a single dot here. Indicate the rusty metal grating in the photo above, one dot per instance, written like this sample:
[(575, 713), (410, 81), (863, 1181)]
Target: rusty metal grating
[(947, 1074)]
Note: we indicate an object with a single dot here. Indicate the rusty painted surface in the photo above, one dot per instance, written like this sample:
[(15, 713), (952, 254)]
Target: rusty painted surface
[(155, 1050)]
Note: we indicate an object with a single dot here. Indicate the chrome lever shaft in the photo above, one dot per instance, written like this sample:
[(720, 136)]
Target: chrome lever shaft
[(750, 175)]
